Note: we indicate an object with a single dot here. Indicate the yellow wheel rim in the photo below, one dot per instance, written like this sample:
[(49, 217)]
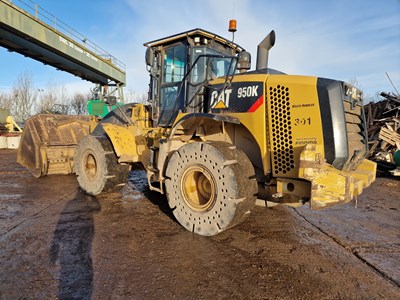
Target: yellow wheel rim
[(198, 188), (90, 166)]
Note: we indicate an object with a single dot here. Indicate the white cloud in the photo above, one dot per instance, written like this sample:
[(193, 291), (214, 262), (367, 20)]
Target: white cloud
[(336, 39)]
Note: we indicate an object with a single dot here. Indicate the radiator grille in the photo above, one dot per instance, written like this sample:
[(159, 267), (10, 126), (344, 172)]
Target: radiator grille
[(282, 145), (355, 126)]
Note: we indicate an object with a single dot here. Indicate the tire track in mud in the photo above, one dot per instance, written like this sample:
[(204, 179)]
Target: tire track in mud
[(352, 249), (11, 230), (8, 173)]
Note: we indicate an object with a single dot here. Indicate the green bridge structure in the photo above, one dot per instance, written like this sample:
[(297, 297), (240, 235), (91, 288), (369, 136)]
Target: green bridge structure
[(57, 45)]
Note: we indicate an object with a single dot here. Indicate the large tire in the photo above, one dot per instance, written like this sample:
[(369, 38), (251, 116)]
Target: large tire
[(210, 186), (97, 167)]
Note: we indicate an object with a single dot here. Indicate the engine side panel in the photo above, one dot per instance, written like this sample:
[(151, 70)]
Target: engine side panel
[(294, 121)]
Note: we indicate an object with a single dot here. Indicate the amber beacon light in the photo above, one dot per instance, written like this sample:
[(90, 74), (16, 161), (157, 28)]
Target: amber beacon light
[(232, 26)]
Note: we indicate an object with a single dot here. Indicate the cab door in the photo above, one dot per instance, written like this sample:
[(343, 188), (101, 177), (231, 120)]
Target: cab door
[(172, 89)]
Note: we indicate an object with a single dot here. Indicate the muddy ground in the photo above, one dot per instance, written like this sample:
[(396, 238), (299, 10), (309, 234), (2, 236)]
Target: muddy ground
[(58, 243)]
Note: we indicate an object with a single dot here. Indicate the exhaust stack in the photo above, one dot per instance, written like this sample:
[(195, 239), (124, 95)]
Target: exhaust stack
[(263, 49)]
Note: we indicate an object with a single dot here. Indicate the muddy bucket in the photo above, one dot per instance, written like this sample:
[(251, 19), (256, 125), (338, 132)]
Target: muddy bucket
[(48, 143)]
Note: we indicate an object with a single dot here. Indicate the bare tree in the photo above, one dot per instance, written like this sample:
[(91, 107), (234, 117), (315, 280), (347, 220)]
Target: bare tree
[(132, 96), (5, 101), (53, 99), (46, 99), (354, 82), (64, 100), (24, 95), (367, 97), (78, 103)]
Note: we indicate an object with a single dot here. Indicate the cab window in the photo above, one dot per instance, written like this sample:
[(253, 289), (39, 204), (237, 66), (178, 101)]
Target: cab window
[(206, 68), (174, 64), (171, 91)]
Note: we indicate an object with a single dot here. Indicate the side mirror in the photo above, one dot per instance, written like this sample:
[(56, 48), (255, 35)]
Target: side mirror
[(244, 61), (149, 56)]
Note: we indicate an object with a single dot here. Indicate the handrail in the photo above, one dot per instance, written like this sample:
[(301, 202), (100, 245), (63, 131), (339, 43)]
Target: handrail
[(55, 23)]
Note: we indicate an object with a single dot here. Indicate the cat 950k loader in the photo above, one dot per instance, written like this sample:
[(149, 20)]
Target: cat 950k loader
[(217, 136)]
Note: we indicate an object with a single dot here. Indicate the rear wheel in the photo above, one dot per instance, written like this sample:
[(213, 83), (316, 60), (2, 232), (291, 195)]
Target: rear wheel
[(210, 186), (97, 167)]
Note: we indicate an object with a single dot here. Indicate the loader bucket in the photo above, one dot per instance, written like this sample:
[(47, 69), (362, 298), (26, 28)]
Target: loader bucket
[(48, 143)]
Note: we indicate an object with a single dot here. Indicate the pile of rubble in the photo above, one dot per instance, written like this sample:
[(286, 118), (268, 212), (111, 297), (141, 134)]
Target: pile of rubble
[(383, 120)]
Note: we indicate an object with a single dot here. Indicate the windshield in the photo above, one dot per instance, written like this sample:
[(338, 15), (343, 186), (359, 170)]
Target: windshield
[(208, 64)]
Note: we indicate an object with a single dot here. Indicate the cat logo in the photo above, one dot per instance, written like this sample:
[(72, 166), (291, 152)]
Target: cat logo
[(223, 98)]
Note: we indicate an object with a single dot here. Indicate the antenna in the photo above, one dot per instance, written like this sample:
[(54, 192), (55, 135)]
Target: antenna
[(232, 22), (392, 84)]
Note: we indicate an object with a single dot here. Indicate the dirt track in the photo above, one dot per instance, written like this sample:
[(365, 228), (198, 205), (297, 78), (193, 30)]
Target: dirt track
[(57, 243)]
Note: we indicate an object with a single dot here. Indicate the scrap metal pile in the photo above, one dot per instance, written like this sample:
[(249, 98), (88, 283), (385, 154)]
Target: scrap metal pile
[(383, 119)]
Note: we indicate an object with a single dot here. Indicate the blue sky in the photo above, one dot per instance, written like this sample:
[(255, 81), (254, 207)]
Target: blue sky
[(338, 39)]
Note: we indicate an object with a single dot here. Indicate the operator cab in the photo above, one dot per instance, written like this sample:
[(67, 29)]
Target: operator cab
[(181, 65)]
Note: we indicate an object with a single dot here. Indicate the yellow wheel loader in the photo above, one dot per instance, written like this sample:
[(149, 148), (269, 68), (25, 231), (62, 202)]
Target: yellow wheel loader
[(217, 136)]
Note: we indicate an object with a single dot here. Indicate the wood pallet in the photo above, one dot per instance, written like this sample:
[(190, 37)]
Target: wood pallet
[(383, 128)]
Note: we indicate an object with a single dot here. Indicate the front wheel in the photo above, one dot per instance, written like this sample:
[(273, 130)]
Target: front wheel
[(97, 167), (210, 186)]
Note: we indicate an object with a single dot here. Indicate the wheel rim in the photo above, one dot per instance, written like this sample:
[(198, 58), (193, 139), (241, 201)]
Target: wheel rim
[(198, 188), (90, 166)]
